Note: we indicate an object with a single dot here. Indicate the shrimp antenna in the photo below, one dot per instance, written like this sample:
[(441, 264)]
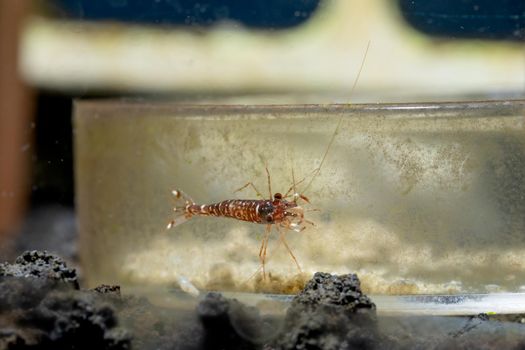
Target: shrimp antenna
[(318, 169)]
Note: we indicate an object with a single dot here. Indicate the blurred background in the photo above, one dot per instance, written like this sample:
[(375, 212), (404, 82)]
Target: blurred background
[(307, 51)]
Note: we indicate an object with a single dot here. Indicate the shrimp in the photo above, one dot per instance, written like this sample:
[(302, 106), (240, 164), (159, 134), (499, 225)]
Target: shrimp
[(280, 211), (283, 213)]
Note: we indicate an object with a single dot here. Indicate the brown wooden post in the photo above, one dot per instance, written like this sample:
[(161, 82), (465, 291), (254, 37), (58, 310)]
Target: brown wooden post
[(16, 117)]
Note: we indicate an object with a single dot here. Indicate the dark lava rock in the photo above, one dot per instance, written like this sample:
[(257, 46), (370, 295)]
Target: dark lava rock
[(330, 313), (28, 280), (344, 291), (21, 294), (228, 324), (10, 339), (72, 320), (159, 327), (42, 308), (112, 290), (40, 265)]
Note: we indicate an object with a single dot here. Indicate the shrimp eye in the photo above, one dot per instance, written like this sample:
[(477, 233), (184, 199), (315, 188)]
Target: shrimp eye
[(269, 218), (278, 196)]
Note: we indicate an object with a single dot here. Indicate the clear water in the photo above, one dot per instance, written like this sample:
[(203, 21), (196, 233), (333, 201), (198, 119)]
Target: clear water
[(415, 199)]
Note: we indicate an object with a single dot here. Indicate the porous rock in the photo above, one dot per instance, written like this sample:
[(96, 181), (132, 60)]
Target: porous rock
[(40, 265), (112, 290), (219, 317), (331, 313), (42, 308), (76, 320), (331, 290)]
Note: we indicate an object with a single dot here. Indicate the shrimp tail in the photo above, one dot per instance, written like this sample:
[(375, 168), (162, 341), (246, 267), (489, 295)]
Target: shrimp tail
[(181, 214)]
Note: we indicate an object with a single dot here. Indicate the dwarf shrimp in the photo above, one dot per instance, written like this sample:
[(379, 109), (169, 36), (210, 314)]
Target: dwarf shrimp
[(281, 211)]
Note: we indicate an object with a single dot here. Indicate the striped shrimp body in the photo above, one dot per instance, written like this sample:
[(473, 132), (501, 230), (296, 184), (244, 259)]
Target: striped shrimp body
[(278, 212), (287, 214)]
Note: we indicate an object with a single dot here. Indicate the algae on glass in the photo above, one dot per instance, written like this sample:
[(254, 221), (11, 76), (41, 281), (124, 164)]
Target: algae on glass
[(413, 198)]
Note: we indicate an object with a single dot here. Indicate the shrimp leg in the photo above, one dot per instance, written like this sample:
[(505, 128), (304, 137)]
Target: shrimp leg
[(269, 181), (264, 245), (255, 188), (283, 240), (252, 186)]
